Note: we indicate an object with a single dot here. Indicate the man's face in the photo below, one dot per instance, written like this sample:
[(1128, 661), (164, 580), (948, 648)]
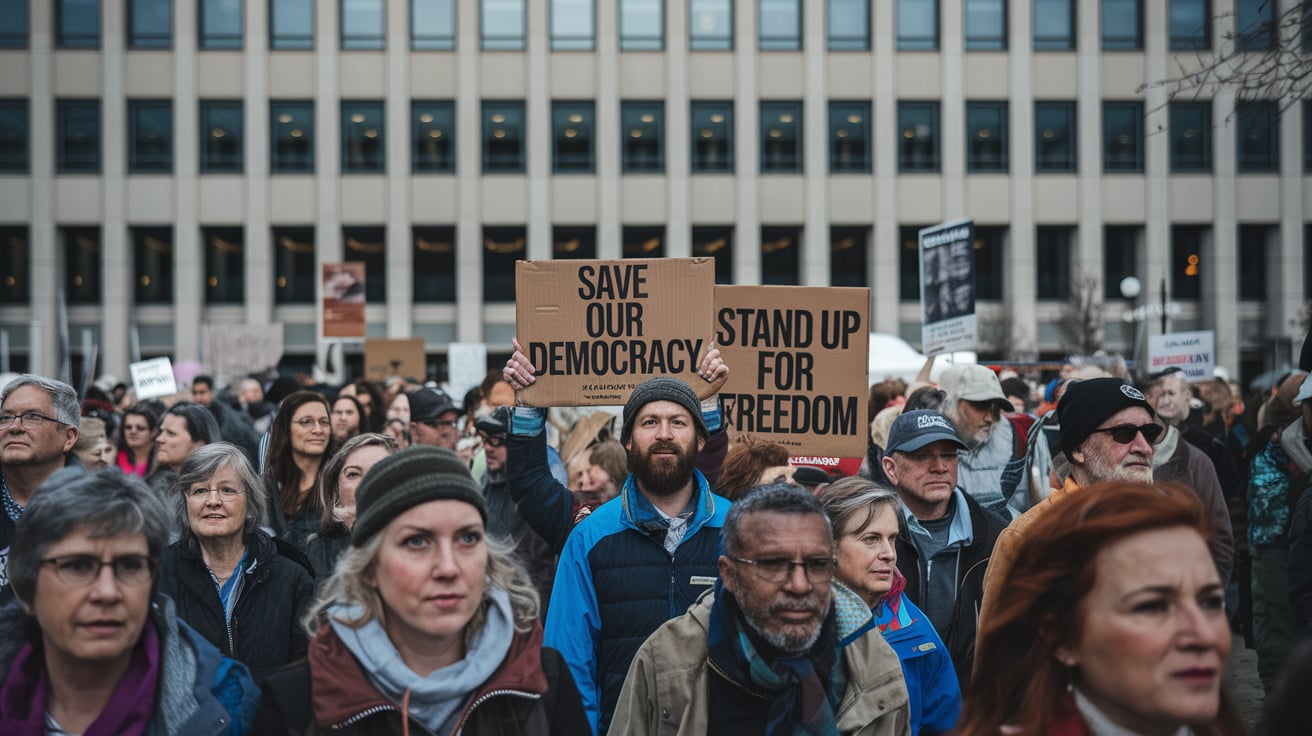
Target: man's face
[(924, 478), (440, 432), (202, 393), (787, 612), (975, 420), (494, 449), (663, 448), (1101, 458), (1170, 399), (23, 444)]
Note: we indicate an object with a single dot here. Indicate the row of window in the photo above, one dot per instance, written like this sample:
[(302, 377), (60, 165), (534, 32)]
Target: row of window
[(150, 146), (434, 253), (572, 24)]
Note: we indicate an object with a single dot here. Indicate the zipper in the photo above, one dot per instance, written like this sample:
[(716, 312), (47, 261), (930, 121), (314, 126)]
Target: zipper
[(363, 715), (491, 694)]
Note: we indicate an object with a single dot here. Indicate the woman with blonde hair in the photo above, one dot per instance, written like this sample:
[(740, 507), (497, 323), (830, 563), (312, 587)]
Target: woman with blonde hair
[(341, 478)]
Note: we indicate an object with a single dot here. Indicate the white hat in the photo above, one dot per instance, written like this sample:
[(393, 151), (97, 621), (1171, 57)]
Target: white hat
[(1304, 393)]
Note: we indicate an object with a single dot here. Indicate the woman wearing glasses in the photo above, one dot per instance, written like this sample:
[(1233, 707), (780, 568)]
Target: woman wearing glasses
[(86, 646), (230, 580), (300, 441)]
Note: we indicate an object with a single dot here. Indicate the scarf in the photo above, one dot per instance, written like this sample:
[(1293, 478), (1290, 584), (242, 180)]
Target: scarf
[(802, 704), (436, 699), (888, 613)]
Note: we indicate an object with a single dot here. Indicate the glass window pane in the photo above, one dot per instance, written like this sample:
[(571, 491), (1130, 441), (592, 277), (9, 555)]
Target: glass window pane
[(16, 266), (1122, 131), (368, 245), (571, 25), (715, 241), (990, 242), (849, 25), (432, 25), (81, 264), (503, 137), (643, 130), (710, 25), (1191, 136), (78, 140), (1054, 136), (573, 241), (1052, 252), (986, 136), (908, 262), (1190, 25), (152, 263), (917, 124), (781, 137), (150, 136), (77, 24), (225, 278), (13, 24), (712, 136), (1258, 131), (780, 262), (1120, 257), (572, 138), (150, 24), (434, 126), (643, 241), (503, 25), (15, 136), (917, 25), (434, 268), (780, 25), (1054, 25), (292, 132), (1255, 25), (221, 24), (849, 137), (221, 136), (364, 25), (363, 139), (291, 24), (1122, 25), (986, 25), (294, 272), (849, 254), (642, 25), (1255, 243), (1186, 260), (1307, 136), (502, 246)]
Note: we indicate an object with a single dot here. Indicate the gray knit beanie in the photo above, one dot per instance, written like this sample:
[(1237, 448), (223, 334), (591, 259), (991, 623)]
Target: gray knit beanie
[(662, 388), (406, 479)]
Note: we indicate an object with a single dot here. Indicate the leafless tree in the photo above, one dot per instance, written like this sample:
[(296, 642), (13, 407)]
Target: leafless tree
[(1081, 321)]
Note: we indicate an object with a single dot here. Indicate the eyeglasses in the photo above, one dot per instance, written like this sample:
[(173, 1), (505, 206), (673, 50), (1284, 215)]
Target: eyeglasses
[(83, 569), (308, 422), (31, 420), (225, 492), (1124, 434), (492, 440), (927, 457), (779, 569), (439, 425)]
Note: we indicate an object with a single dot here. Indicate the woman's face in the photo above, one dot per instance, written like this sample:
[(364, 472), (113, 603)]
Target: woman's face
[(357, 464), (867, 557), (212, 513), (99, 621), (310, 429), (136, 432), (1154, 642), (174, 442), (399, 409), (346, 420), (99, 455), (429, 575)]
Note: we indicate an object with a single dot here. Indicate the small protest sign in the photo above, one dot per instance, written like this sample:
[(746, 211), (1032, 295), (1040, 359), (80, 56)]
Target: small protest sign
[(234, 352), (1192, 352), (947, 287), (395, 357), (343, 299), (153, 378)]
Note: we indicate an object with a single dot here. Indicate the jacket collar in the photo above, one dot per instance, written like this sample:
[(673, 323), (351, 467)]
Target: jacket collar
[(962, 531), (639, 513)]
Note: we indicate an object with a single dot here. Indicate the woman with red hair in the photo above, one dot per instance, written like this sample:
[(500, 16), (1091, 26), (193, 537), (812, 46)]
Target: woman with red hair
[(1113, 620)]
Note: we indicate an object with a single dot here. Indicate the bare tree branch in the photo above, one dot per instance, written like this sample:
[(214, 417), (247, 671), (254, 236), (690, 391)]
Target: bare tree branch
[(1081, 321)]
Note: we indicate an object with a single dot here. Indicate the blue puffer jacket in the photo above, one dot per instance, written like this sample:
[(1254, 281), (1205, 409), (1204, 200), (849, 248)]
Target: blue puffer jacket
[(926, 665)]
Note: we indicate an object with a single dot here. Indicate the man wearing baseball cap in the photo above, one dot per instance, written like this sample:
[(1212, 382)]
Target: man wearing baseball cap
[(949, 537), (433, 418)]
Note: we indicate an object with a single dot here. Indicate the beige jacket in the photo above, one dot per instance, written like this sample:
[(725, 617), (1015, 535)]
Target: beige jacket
[(666, 688)]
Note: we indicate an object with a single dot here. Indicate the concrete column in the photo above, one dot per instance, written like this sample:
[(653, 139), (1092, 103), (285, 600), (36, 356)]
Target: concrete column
[(117, 270), (952, 110), (469, 227), (1020, 262), (188, 251), (1157, 141), (258, 247), (1088, 127), (607, 64), (44, 243), (678, 127), (537, 134), (814, 243), (884, 244), (398, 236), (327, 155), (747, 156)]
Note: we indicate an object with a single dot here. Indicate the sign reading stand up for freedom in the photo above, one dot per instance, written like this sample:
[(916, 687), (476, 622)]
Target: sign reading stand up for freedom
[(595, 329)]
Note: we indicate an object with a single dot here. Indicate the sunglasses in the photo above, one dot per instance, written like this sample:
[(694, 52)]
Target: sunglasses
[(1124, 434)]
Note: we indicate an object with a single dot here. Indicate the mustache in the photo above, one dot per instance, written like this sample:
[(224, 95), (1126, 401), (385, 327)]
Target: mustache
[(665, 447), (804, 606)]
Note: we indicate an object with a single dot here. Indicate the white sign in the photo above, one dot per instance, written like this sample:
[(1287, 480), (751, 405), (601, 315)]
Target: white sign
[(1192, 352), (234, 352), (466, 366), (153, 378), (947, 287)]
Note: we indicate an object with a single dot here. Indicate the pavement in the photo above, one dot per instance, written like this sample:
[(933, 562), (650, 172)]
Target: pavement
[(1245, 685)]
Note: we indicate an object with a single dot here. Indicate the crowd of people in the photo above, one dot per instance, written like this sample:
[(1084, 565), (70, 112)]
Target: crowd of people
[(378, 557)]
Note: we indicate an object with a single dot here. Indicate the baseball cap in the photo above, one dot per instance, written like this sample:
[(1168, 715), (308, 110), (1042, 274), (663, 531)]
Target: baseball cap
[(427, 404), (915, 429), (973, 382)]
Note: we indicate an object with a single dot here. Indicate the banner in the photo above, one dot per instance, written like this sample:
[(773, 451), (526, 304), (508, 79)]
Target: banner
[(947, 287), (594, 329), (233, 352), (1192, 352), (153, 378), (798, 362), (388, 357), (343, 299)]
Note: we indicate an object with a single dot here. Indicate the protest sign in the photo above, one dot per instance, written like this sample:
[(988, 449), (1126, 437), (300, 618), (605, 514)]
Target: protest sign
[(343, 299), (389, 357), (594, 329), (947, 287), (466, 366), (153, 378), (798, 361), (234, 352), (1192, 352)]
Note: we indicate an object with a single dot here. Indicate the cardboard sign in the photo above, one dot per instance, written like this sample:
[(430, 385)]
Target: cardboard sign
[(234, 352), (385, 358), (798, 362), (947, 287), (1192, 352), (594, 329), (153, 378), (343, 299)]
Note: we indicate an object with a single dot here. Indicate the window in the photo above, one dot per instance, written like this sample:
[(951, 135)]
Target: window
[(710, 25), (642, 25), (779, 255), (779, 25), (150, 24), (712, 136), (152, 262), (502, 25), (849, 25), (502, 246), (1122, 136), (291, 24), (643, 241), (1186, 251), (849, 263), (16, 265), (503, 137), (986, 136), (433, 126), (1255, 25), (917, 25), (1190, 24), (1054, 25), (989, 246), (221, 139), (364, 25), (368, 245), (849, 137), (715, 241), (908, 263), (1054, 137), (225, 281), (1122, 25), (572, 25), (15, 136), (220, 24), (1120, 245), (571, 134), (781, 137), (986, 25), (917, 124), (432, 25), (1258, 136), (363, 141), (77, 24), (13, 24), (573, 241), (294, 271), (81, 264), (434, 268), (1255, 243), (1191, 136), (291, 148), (150, 136), (78, 138), (642, 125), (1053, 245)]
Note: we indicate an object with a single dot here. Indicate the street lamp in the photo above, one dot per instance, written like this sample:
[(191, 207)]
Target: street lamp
[(1130, 289)]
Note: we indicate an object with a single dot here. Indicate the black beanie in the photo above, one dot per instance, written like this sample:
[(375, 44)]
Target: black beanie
[(662, 388), (1090, 402), (406, 479)]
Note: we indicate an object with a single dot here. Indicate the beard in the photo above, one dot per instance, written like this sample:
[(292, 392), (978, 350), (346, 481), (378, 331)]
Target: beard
[(794, 639), (664, 476)]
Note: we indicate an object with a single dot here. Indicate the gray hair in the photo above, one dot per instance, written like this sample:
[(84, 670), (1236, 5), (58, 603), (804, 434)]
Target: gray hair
[(333, 468), (201, 465), (780, 498), (104, 504), (854, 498), (90, 434), (62, 396)]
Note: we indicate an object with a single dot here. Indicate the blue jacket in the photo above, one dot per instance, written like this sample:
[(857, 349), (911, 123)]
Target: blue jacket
[(616, 584), (926, 665)]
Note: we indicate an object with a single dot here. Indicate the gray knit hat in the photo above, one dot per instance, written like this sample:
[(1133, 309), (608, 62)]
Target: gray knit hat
[(406, 479), (662, 388)]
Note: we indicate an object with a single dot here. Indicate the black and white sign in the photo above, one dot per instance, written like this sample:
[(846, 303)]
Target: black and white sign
[(947, 287)]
